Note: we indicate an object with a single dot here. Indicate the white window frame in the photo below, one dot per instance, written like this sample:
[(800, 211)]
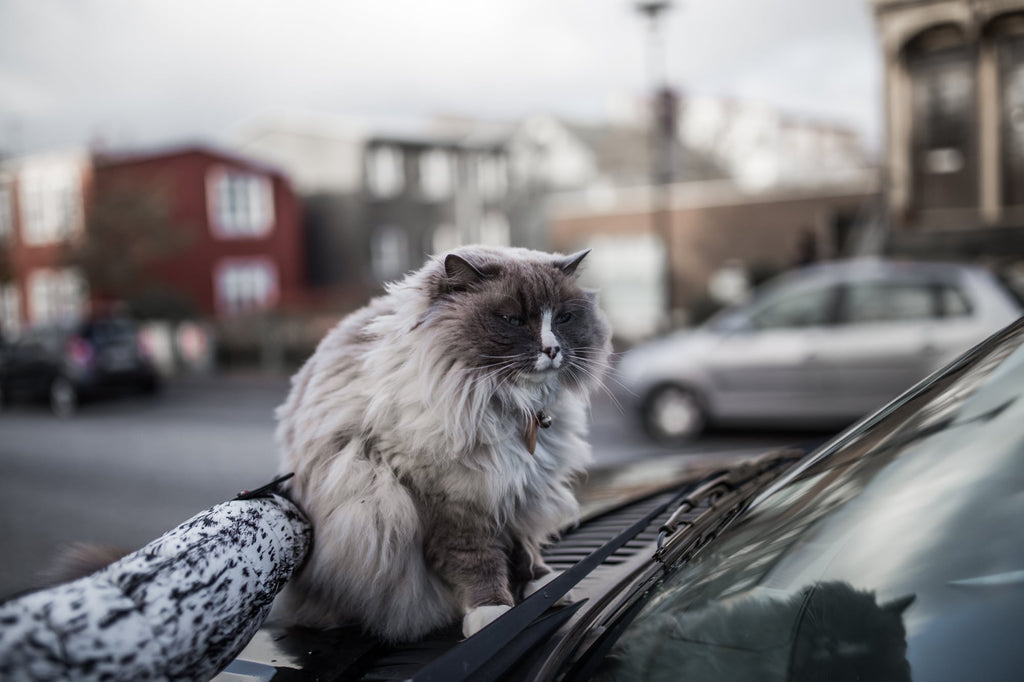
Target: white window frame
[(437, 174), (385, 171), (240, 204), (389, 252), (57, 294), (51, 204), (237, 286), (492, 176)]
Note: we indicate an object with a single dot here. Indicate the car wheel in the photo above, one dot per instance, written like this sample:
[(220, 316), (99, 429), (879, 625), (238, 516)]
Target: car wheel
[(63, 397), (673, 413)]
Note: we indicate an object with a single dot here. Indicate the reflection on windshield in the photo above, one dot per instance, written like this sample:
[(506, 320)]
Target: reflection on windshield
[(827, 631), (927, 504)]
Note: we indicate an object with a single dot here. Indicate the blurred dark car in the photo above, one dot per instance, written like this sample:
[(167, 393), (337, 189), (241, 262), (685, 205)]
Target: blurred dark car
[(820, 346), (895, 551), (67, 364)]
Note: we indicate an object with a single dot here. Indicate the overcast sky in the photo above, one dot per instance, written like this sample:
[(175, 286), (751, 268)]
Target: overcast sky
[(141, 72)]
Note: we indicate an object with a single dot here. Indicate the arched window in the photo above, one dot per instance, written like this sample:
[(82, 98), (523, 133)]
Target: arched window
[(1007, 32), (944, 141)]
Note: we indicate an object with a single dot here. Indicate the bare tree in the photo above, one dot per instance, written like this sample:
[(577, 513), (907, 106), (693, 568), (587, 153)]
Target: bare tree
[(128, 231)]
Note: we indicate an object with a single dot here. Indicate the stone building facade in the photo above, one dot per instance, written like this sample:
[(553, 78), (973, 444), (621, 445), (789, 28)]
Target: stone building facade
[(954, 112)]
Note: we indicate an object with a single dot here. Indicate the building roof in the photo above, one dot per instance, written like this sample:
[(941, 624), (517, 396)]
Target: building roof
[(126, 157)]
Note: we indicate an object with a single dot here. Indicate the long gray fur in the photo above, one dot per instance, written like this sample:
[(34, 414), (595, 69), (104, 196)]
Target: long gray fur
[(405, 431)]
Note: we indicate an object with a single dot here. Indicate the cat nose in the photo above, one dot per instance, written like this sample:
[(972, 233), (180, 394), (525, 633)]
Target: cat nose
[(550, 351)]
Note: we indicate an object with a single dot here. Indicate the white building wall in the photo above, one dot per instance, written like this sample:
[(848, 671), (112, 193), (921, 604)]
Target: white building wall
[(318, 155)]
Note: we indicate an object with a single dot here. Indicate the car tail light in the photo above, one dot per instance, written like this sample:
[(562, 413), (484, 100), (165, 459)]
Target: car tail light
[(79, 352)]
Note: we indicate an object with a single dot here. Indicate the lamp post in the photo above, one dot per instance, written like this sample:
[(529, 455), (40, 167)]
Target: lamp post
[(664, 106)]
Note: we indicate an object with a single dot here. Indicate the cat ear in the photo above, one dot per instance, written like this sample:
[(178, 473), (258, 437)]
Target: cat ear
[(569, 264), (898, 606), (460, 273)]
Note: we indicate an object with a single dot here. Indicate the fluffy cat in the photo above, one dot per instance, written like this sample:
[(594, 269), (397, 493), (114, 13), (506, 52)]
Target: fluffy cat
[(434, 435)]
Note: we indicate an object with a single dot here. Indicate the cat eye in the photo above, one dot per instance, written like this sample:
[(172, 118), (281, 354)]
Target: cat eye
[(563, 317), (512, 320)]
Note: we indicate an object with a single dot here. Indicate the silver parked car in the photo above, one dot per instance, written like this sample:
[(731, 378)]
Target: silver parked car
[(817, 346)]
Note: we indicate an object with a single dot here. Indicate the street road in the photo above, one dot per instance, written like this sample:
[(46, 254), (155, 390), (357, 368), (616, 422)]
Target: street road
[(123, 472)]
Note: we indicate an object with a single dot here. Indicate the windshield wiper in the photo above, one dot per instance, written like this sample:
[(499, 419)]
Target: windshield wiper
[(730, 489)]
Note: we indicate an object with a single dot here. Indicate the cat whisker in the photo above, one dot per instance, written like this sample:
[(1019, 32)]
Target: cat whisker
[(477, 368), (598, 379), (600, 352), (497, 371), (610, 374)]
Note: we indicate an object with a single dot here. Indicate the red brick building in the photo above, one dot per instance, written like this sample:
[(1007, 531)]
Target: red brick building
[(239, 223), (236, 222)]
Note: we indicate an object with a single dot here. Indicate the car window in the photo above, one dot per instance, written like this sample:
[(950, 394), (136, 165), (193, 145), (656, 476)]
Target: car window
[(953, 302), (868, 302), (807, 308)]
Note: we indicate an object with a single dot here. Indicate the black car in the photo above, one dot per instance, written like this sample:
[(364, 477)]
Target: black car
[(893, 552), (66, 364)]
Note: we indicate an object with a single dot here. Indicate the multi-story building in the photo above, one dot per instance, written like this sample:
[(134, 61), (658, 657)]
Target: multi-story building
[(954, 81), (238, 221), (376, 203), (425, 196)]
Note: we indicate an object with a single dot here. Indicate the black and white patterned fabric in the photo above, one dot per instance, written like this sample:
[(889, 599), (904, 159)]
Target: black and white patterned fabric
[(180, 608)]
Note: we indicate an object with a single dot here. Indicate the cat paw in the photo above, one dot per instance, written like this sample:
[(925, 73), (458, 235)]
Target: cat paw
[(480, 617), (535, 585)]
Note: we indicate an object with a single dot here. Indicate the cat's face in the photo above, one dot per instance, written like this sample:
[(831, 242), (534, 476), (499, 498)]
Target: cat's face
[(522, 319)]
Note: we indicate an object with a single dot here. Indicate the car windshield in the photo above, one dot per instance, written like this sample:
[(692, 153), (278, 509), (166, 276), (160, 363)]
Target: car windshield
[(895, 554), (789, 300)]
